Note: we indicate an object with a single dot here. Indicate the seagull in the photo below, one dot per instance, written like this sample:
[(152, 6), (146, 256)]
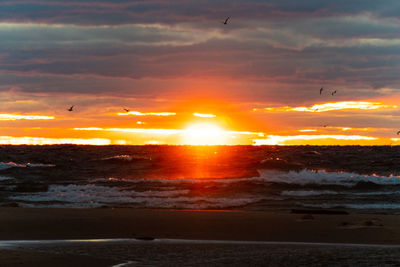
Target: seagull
[(320, 90), (226, 20), (71, 108), (334, 92), (127, 110), (398, 132)]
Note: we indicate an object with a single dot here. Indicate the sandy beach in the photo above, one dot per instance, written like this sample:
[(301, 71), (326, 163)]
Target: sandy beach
[(282, 226), (38, 223)]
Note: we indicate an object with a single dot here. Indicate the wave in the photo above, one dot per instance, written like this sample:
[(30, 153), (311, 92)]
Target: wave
[(7, 165), (305, 193), (5, 178), (94, 193), (306, 177), (175, 181), (366, 206), (97, 195), (127, 157), (119, 157), (302, 178)]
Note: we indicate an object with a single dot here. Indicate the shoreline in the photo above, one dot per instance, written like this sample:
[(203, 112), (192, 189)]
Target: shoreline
[(276, 226), (194, 237)]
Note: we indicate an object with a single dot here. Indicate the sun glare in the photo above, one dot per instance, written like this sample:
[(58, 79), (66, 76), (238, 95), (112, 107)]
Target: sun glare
[(204, 134)]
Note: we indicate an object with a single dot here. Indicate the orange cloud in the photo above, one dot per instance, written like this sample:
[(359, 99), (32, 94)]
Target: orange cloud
[(284, 140), (132, 130), (159, 131), (138, 113), (351, 128), (204, 115), (307, 130), (26, 140), (343, 105), (13, 117)]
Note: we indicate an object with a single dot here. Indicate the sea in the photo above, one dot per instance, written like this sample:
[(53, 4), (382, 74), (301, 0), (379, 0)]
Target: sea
[(350, 178)]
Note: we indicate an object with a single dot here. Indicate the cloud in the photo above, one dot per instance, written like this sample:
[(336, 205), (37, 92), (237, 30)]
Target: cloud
[(13, 117), (28, 140), (202, 115), (138, 113), (333, 106), (286, 140), (152, 55)]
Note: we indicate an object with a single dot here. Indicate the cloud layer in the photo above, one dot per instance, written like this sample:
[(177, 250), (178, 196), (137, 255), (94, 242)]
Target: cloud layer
[(152, 55)]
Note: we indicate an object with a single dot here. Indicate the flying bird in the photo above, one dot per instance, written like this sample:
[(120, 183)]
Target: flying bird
[(398, 132), (71, 108), (226, 20), (320, 90), (334, 92), (127, 110)]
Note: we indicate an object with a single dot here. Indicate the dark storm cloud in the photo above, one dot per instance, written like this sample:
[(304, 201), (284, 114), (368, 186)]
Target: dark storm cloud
[(157, 11), (278, 48)]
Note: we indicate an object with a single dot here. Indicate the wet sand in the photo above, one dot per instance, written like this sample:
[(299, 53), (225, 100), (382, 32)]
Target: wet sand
[(41, 224), (11, 258), (46, 223)]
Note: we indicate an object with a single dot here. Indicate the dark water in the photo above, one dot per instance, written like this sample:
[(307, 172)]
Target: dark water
[(183, 177)]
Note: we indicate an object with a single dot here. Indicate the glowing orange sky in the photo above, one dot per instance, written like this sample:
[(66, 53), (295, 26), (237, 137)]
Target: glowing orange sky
[(135, 77), (215, 124)]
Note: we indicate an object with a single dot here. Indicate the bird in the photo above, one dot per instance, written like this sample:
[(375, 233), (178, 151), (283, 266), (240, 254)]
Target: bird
[(71, 108), (320, 90), (325, 125), (334, 92), (226, 20), (127, 110), (398, 132)]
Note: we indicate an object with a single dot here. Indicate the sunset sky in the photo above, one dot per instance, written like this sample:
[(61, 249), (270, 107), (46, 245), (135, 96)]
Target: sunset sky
[(186, 78)]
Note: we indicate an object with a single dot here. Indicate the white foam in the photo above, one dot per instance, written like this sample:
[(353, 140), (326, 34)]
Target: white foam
[(39, 165), (5, 178), (7, 165), (325, 178), (306, 193), (121, 157), (304, 177), (93, 194), (366, 206)]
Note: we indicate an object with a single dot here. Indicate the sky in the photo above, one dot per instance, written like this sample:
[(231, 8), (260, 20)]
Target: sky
[(184, 77)]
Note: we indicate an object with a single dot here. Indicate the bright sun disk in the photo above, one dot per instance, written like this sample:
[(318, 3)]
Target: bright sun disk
[(204, 134)]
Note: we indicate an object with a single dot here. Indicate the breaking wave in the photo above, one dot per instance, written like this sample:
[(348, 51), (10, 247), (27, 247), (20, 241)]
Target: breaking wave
[(7, 165), (367, 206), (119, 157), (326, 178), (94, 196)]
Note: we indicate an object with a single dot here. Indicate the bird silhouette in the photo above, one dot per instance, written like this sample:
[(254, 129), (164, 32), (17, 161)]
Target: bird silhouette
[(320, 90), (226, 20), (398, 132), (71, 108), (334, 92), (127, 110)]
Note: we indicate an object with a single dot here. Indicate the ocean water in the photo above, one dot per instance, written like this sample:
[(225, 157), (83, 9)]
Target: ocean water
[(239, 178)]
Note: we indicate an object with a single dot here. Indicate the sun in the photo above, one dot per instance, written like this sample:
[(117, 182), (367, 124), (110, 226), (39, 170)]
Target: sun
[(204, 134)]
